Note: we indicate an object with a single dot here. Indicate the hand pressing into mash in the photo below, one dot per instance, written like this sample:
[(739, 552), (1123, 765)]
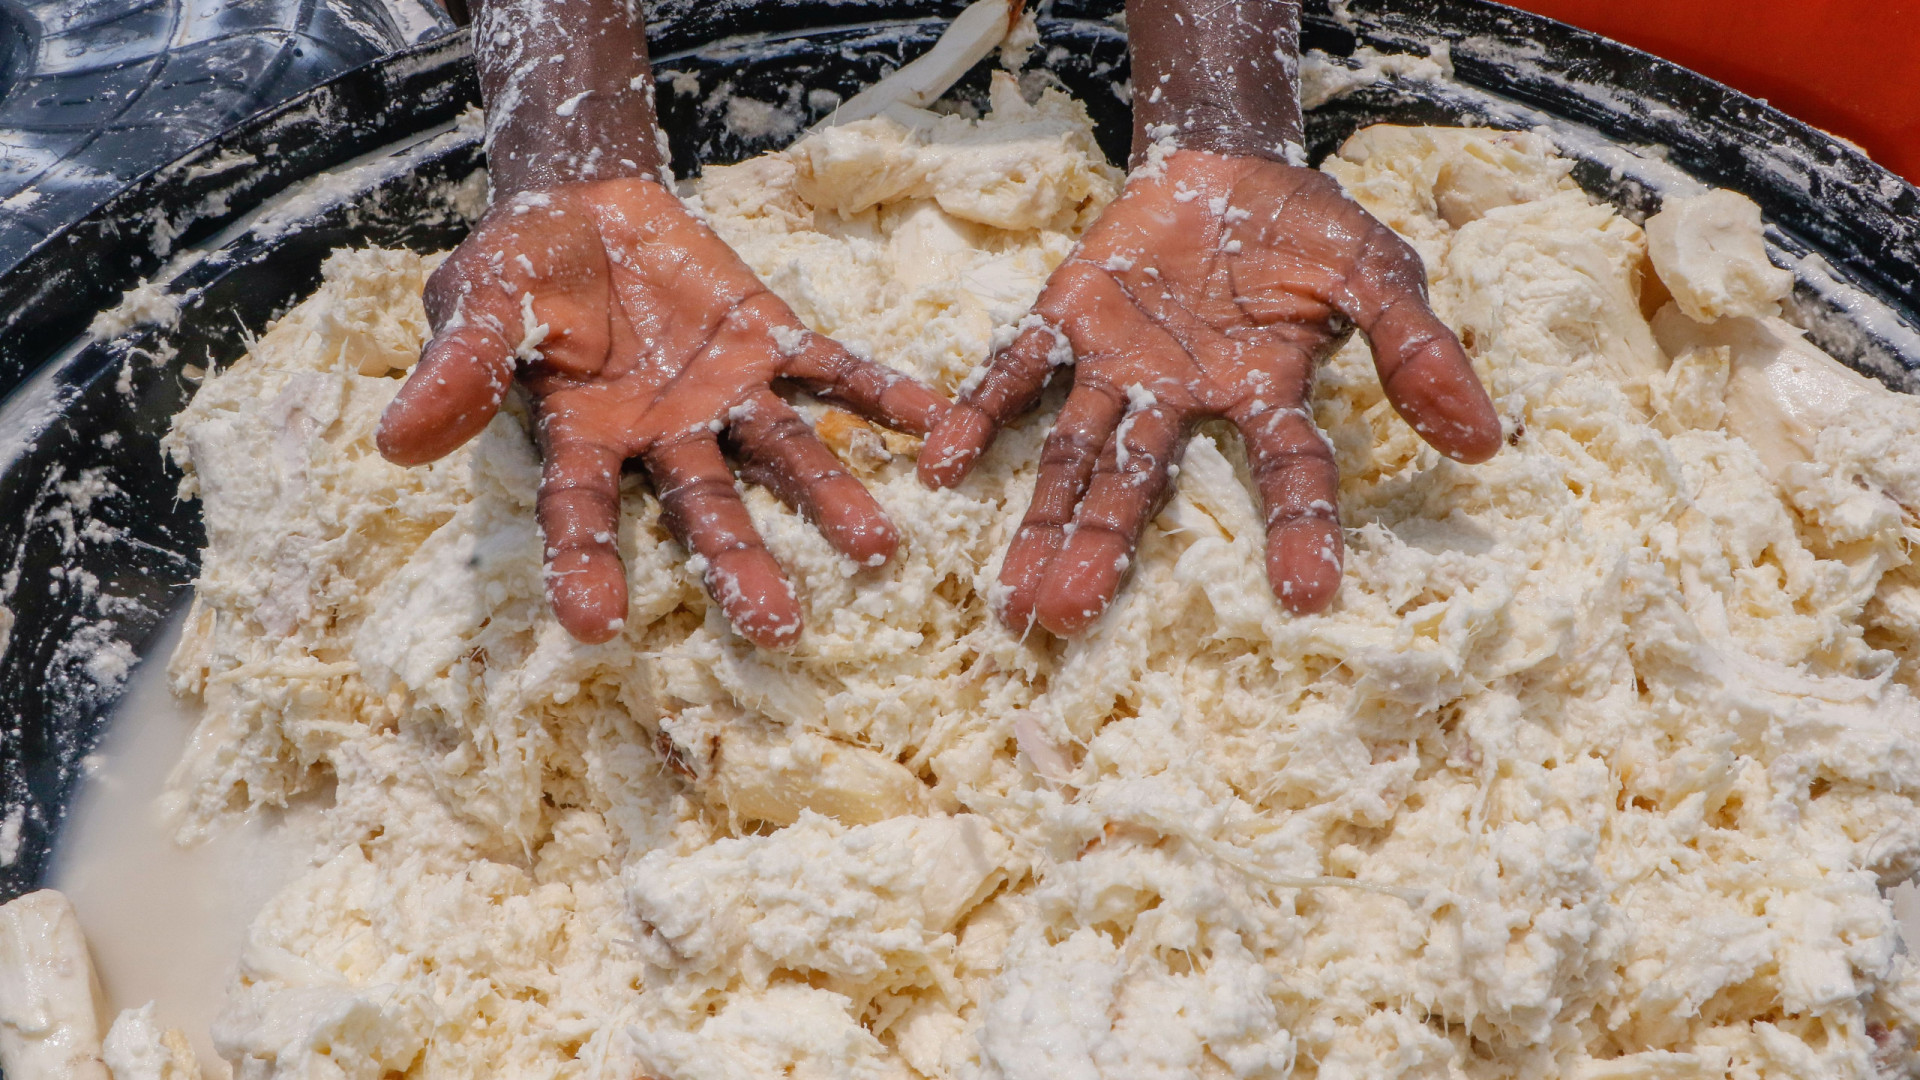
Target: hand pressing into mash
[(1210, 288), (637, 331)]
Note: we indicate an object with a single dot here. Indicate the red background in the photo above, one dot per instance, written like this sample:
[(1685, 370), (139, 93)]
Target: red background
[(1850, 67)]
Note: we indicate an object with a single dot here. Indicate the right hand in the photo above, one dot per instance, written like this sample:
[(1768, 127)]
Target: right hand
[(659, 344)]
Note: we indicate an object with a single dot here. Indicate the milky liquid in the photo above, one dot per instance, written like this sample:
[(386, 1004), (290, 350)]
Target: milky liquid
[(166, 923)]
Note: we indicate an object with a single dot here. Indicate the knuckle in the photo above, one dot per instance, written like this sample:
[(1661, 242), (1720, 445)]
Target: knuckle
[(1033, 533), (1294, 464), (1069, 445), (1312, 512), (684, 493), (577, 483), (1395, 260)]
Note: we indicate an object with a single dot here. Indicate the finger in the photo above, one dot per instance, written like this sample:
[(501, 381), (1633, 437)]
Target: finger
[(783, 454), (1067, 461), (1299, 487), (463, 375), (875, 391), (1422, 367), (1129, 484), (703, 510), (487, 318), (579, 512), (1011, 385)]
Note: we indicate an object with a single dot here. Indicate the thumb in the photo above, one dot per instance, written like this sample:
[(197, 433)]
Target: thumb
[(455, 390), (1422, 366)]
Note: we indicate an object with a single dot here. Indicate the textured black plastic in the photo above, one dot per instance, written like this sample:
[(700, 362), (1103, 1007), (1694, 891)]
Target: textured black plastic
[(65, 418), (93, 94)]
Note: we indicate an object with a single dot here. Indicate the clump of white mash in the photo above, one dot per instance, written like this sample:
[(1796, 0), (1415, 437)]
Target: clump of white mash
[(1613, 737)]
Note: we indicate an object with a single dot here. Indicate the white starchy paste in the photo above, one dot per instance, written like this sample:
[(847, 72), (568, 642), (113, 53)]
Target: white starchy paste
[(1710, 252), (49, 997), (1610, 742), (148, 303), (136, 1048), (876, 229), (15, 820), (1323, 78)]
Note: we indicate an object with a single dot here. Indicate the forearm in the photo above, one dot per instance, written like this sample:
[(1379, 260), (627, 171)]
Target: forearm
[(1216, 75), (568, 92)]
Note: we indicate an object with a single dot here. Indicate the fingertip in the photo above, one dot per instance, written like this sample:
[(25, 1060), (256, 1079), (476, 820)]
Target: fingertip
[(1476, 442), (1458, 420), (1434, 387), (1067, 624), (409, 444), (853, 522), (1066, 613), (871, 543), (1014, 602), (772, 634), (400, 436), (754, 594), (392, 443), (954, 447), (1021, 574), (1014, 608), (588, 591), (1304, 565), (447, 399), (1081, 583)]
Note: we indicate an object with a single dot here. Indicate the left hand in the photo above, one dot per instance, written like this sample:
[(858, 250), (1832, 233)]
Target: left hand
[(1210, 288)]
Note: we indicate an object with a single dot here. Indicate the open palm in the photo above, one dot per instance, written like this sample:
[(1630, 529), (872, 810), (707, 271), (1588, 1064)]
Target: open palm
[(1210, 288), (640, 334)]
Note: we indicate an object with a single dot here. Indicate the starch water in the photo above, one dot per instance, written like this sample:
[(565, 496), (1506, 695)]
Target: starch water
[(166, 923)]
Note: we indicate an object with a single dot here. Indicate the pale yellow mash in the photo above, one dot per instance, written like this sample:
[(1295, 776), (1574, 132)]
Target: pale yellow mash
[(1595, 768)]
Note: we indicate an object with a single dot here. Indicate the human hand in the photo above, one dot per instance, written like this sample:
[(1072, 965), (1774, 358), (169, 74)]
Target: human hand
[(639, 333), (1210, 288)]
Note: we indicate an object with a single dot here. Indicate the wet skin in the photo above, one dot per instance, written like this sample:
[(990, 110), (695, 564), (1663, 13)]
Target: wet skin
[(659, 345), (1210, 289)]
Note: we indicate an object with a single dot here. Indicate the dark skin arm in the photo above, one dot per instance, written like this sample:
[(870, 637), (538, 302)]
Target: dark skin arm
[(1210, 289), (638, 333)]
